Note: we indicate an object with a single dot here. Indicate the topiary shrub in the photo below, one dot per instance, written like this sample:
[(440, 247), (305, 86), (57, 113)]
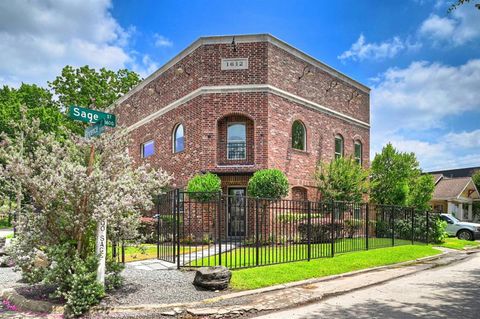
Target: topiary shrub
[(268, 184), (204, 187)]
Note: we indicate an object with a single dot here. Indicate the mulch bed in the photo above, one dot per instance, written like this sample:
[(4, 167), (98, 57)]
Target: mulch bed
[(39, 292)]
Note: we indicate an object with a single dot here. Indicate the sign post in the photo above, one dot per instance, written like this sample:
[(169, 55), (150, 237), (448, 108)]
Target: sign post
[(101, 250), (99, 121)]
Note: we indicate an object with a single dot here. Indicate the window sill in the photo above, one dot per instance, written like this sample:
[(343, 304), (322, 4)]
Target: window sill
[(294, 150)]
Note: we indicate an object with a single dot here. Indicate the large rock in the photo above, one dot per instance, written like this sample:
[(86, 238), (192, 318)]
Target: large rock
[(213, 278)]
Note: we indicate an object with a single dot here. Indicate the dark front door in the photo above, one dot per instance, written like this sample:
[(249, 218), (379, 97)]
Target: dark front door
[(237, 212)]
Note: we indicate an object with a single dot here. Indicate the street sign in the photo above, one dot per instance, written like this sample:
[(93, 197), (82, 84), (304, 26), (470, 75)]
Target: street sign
[(91, 116), (95, 130)]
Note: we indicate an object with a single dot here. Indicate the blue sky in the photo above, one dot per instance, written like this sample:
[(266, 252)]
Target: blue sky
[(422, 64)]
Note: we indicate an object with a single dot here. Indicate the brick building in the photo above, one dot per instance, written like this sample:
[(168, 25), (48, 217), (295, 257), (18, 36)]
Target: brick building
[(235, 104)]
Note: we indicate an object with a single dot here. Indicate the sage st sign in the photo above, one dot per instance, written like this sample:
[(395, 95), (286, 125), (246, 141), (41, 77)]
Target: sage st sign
[(91, 116)]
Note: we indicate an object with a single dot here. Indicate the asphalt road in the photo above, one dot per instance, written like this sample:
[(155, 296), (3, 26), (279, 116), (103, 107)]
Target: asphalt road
[(451, 291)]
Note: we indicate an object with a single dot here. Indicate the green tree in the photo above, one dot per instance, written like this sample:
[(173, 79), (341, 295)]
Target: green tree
[(342, 180), (85, 86), (38, 103), (476, 205), (457, 4), (392, 175), (268, 184), (476, 179), (421, 191)]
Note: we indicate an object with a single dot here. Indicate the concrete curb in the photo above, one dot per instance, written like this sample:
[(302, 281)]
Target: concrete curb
[(322, 279), (177, 308), (30, 305)]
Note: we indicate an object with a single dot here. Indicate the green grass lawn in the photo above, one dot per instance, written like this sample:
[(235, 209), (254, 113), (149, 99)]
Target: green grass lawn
[(252, 278), (246, 256), (455, 243), (149, 251)]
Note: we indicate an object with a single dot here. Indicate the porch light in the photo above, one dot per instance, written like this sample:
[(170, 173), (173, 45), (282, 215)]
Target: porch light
[(234, 44)]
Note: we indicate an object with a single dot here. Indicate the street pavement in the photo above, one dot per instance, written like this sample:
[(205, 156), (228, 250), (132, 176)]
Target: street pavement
[(451, 291)]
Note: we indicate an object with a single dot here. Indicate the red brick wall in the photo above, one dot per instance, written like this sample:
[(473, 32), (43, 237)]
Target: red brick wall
[(200, 117), (319, 86), (204, 67), (270, 116), (299, 166)]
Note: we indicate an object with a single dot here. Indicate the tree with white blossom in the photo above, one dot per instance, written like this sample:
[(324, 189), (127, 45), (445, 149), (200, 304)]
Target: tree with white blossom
[(62, 200)]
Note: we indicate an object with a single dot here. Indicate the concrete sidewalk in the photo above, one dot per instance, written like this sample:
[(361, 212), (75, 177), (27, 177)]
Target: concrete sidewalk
[(185, 259), (247, 303), (4, 232)]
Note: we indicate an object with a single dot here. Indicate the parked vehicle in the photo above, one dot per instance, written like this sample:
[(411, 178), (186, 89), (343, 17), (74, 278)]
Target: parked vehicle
[(462, 230)]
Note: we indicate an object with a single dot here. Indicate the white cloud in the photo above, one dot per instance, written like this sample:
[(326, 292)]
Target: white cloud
[(146, 67), (465, 139), (38, 38), (421, 95), (443, 153), (361, 50), (437, 27), (457, 28), (161, 41)]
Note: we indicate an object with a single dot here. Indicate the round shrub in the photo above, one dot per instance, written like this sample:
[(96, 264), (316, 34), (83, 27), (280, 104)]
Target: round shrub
[(204, 187), (268, 183)]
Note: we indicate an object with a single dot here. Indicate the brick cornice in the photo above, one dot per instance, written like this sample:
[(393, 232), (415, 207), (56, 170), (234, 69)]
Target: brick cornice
[(227, 39), (264, 88)]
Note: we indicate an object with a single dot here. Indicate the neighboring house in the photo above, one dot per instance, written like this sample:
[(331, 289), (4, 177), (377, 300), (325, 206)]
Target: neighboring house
[(233, 105), (454, 196)]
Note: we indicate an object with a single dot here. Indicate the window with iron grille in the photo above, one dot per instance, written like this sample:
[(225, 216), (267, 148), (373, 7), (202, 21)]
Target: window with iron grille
[(236, 141)]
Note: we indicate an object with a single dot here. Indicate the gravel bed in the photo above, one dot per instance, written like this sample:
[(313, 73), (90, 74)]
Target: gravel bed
[(157, 286), (9, 278)]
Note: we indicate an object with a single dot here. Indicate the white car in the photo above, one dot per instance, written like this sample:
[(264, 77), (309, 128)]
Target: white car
[(462, 230)]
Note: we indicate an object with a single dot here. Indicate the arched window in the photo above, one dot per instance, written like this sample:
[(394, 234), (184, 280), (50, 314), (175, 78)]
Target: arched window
[(178, 139), (236, 141), (338, 146), (299, 136), (358, 152)]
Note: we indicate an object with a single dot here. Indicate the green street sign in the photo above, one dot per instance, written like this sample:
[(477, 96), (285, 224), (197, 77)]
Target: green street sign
[(95, 130), (91, 116)]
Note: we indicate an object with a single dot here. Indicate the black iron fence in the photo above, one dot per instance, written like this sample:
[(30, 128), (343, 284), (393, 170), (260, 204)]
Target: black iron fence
[(208, 229)]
